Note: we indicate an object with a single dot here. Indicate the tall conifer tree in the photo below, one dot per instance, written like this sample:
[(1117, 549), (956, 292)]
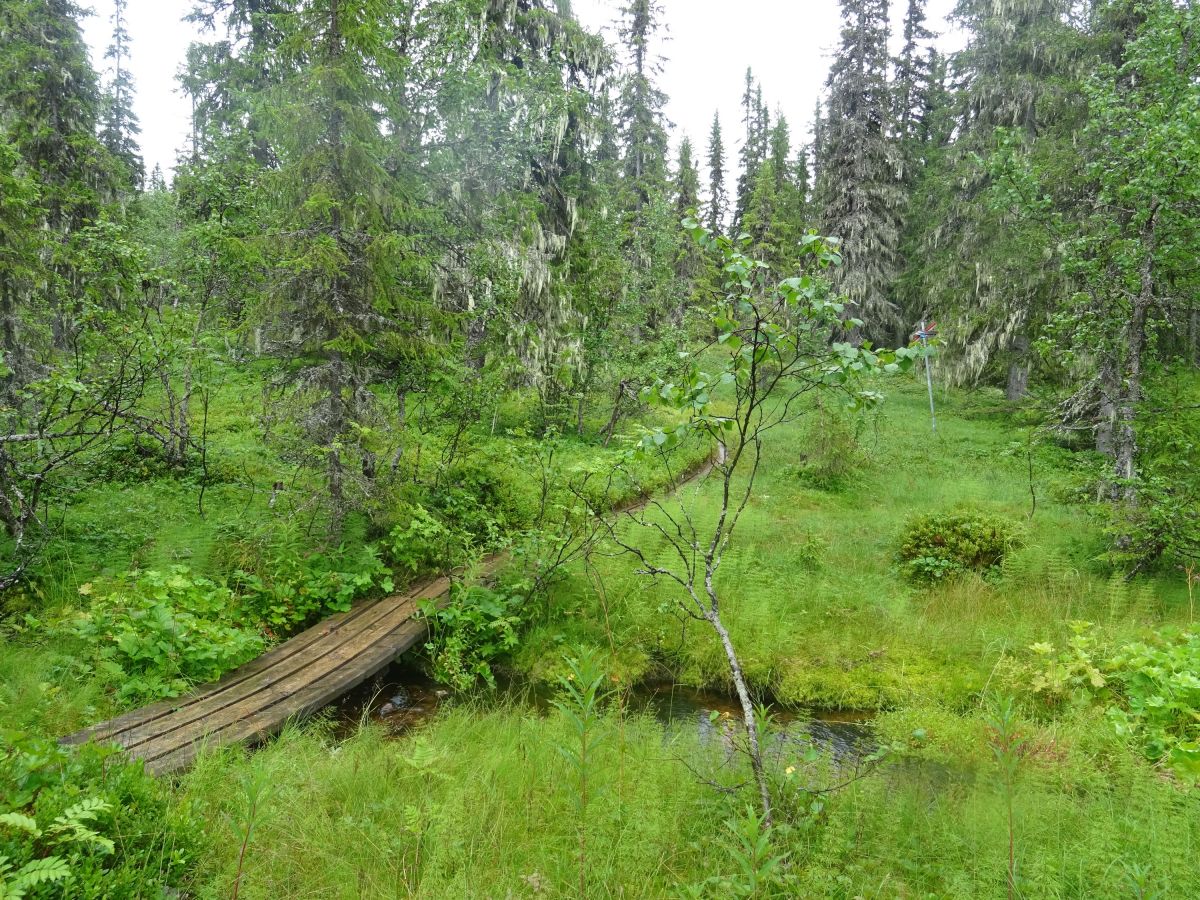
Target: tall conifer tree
[(717, 207), (642, 122), (687, 180), (913, 73), (988, 277), (119, 125), (336, 258), (861, 196)]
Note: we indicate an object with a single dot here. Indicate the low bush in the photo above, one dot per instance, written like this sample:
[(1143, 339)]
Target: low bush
[(425, 544), (1149, 689), (1158, 689), (82, 823), (939, 546), (468, 634), (300, 588), (833, 454), (154, 634)]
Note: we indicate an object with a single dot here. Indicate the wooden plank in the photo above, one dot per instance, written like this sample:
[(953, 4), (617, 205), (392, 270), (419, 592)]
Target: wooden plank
[(331, 674), (305, 701), (223, 695), (293, 679), (177, 731), (104, 731)]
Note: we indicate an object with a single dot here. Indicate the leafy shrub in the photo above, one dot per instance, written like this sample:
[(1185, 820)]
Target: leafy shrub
[(83, 823), (302, 587), (468, 634), (154, 634), (1150, 688), (940, 546), (487, 495), (424, 544), (1165, 525), (833, 453), (1158, 686)]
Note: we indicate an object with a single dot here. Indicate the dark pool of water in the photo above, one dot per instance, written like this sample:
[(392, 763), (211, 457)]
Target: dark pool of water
[(846, 735), (401, 698)]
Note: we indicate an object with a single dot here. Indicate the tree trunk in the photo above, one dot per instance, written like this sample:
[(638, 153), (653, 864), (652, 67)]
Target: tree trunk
[(477, 329), (9, 341), (1194, 336), (401, 422), (1018, 370), (611, 427), (1131, 389), (334, 470), (1107, 416), (743, 692)]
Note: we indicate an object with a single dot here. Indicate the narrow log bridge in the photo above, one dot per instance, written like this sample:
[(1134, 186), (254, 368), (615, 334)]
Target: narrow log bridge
[(293, 680)]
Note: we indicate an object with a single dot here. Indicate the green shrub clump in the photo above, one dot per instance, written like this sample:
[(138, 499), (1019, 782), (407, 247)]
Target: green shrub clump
[(300, 587), (84, 823), (155, 634), (1149, 689), (940, 546), (470, 632)]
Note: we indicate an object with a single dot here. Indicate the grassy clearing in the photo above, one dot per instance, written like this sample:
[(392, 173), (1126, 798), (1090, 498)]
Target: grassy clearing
[(481, 803), (815, 600), (477, 805)]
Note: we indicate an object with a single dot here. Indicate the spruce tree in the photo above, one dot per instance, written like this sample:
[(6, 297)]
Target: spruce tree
[(687, 180), (756, 123), (818, 144), (551, 211), (223, 77), (50, 104), (641, 117), (690, 260), (987, 276), (717, 207), (861, 196), (912, 74), (759, 217), (780, 151), (49, 110), (336, 260), (652, 238), (776, 214), (802, 177), (75, 360), (119, 125)]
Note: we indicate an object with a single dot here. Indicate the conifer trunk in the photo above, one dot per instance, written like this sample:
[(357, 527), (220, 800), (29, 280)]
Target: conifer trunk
[(1018, 370), (1131, 388)]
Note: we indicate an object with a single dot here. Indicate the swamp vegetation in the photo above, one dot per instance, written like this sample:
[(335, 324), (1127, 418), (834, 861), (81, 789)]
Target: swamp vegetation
[(431, 285)]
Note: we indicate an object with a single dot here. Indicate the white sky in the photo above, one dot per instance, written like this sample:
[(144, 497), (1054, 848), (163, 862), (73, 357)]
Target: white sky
[(787, 42)]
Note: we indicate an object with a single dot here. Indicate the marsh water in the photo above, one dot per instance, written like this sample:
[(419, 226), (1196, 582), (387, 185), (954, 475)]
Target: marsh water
[(401, 698)]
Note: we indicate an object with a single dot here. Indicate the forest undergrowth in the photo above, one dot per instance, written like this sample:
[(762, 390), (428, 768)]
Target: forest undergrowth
[(826, 616)]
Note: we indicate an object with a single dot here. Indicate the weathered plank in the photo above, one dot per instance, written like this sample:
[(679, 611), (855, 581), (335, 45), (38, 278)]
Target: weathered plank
[(111, 730), (292, 680)]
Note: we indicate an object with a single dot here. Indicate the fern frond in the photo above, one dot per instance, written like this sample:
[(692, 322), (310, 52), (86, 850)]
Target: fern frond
[(43, 871), (84, 811), (21, 823), (15, 885), (71, 827)]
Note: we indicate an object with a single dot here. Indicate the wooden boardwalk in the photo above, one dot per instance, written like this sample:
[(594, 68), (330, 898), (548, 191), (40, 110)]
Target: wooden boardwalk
[(295, 679)]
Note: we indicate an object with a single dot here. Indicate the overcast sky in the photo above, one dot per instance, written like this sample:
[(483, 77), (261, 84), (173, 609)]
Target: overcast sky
[(710, 42)]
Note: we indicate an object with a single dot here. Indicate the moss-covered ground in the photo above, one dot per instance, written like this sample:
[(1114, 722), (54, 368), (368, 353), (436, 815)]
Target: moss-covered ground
[(482, 802)]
